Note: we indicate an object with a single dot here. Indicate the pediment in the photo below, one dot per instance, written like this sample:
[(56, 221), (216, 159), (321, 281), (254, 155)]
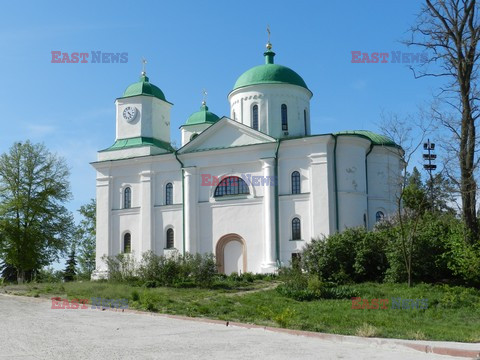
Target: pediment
[(226, 133)]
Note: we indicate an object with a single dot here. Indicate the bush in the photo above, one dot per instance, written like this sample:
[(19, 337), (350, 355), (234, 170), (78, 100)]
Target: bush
[(303, 287), (462, 258), (49, 275), (154, 270), (148, 301), (202, 268), (121, 268), (135, 295), (441, 253), (430, 250), (353, 255)]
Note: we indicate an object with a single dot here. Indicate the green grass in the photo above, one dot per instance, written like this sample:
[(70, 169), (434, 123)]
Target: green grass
[(453, 313)]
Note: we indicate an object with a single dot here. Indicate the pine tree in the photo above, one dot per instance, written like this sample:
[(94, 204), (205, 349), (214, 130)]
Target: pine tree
[(70, 271), (85, 239)]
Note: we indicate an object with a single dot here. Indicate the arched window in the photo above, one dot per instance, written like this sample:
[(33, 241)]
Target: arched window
[(234, 115), (193, 136), (296, 182), (284, 118), (296, 233), (379, 216), (231, 185), (305, 121), (127, 243), (170, 239), (127, 198), (255, 117), (169, 194)]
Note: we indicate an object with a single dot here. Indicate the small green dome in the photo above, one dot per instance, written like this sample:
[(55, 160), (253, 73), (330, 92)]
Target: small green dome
[(144, 87), (202, 116), (269, 73)]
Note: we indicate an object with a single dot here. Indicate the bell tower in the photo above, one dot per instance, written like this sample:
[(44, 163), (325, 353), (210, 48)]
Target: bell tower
[(143, 112)]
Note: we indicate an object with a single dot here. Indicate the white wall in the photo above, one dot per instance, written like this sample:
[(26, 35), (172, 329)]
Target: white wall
[(351, 180), (383, 181), (269, 98), (188, 130), (152, 120), (215, 218)]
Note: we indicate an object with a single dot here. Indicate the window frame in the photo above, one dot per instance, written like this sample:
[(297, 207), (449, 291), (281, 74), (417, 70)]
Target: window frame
[(284, 116), (170, 242), (169, 193), (296, 182), (378, 217), (227, 187), (305, 121), (127, 199), (296, 225), (255, 117), (125, 243)]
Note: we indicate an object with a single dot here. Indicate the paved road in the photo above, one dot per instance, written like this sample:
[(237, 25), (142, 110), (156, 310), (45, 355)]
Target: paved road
[(30, 329)]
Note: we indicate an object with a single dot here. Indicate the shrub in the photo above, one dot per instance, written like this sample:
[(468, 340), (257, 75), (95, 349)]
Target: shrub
[(284, 318), (49, 275), (366, 330), (303, 287), (154, 270), (203, 269), (121, 268), (135, 295), (430, 244), (148, 301), (353, 255), (462, 258)]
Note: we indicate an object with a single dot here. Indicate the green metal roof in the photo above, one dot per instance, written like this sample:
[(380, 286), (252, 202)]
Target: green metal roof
[(144, 87), (269, 73), (202, 116), (376, 139), (121, 144)]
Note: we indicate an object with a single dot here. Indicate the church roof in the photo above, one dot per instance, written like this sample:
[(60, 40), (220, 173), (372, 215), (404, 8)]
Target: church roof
[(140, 141), (202, 116), (144, 87), (269, 73), (376, 139)]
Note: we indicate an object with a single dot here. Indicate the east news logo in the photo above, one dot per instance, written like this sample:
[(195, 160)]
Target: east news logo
[(83, 57)]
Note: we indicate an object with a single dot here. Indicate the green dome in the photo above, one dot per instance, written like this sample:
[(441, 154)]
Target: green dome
[(269, 73), (144, 87), (202, 116)]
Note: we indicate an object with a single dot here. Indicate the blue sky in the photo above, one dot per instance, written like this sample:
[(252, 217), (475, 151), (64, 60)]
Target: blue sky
[(191, 45)]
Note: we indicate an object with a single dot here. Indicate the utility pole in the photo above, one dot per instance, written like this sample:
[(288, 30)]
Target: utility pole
[(429, 157)]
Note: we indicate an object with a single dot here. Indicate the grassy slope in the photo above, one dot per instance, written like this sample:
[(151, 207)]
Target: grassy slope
[(453, 313)]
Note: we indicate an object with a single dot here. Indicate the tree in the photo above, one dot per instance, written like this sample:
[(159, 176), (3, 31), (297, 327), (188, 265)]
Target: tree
[(411, 200), (35, 227), (70, 271), (449, 30), (85, 238), (437, 192)]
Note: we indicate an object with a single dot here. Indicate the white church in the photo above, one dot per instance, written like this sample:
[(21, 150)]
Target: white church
[(252, 188)]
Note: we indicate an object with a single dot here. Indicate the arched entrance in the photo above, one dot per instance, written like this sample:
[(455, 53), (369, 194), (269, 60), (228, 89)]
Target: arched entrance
[(231, 254)]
